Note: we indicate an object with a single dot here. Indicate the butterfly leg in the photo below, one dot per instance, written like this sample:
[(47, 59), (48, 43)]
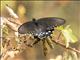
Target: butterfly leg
[(36, 40), (44, 47), (49, 41)]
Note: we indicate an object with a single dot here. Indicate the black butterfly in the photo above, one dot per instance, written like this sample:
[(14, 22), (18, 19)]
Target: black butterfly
[(41, 28)]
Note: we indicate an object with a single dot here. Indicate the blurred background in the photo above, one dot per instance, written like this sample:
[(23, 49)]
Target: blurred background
[(26, 10)]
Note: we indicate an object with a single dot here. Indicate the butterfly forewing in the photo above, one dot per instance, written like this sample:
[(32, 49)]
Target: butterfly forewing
[(27, 27), (51, 21)]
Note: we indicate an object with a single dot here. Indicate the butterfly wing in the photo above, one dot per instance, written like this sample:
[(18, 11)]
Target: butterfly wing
[(43, 25), (27, 27), (51, 22)]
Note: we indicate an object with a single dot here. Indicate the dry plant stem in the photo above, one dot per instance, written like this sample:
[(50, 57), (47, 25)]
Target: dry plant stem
[(12, 25), (11, 12), (59, 35), (60, 44), (15, 21), (70, 48)]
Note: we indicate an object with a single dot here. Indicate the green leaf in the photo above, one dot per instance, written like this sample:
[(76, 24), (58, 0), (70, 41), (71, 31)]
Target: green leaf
[(69, 36), (59, 28)]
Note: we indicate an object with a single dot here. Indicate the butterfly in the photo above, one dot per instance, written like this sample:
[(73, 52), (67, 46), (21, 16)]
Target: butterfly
[(41, 28)]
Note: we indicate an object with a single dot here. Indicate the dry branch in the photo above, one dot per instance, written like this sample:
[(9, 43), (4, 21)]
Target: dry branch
[(69, 48)]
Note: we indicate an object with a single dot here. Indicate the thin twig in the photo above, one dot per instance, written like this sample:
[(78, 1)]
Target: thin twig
[(70, 48), (59, 35), (61, 44)]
